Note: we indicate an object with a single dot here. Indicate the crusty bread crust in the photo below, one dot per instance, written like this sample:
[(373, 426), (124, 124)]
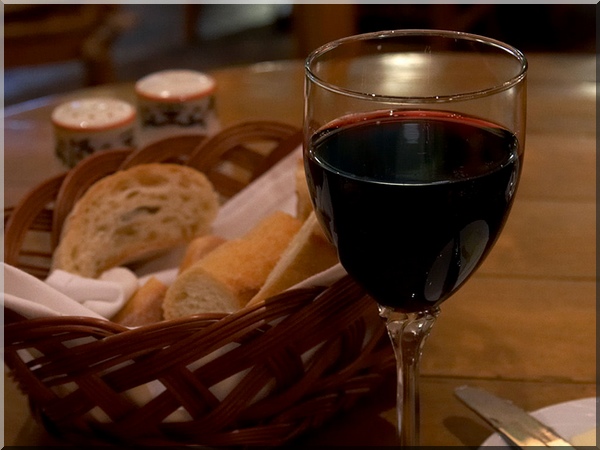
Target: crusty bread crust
[(134, 213), (308, 253), (199, 248), (229, 276), (145, 305)]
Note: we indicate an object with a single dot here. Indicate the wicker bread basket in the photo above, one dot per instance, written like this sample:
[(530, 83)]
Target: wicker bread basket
[(290, 364)]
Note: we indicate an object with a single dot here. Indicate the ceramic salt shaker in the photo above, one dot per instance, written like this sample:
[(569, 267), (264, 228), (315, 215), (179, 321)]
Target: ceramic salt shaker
[(175, 103), (89, 125)]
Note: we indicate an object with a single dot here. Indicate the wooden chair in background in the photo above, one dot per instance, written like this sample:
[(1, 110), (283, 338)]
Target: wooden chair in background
[(39, 34)]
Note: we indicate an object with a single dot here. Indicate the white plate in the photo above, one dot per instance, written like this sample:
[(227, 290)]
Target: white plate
[(569, 419)]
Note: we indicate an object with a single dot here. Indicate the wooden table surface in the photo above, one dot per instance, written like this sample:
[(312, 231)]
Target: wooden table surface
[(523, 327)]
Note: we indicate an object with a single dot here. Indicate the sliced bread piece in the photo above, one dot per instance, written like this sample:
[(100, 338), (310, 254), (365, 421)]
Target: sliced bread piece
[(308, 253), (199, 248), (134, 213), (145, 305), (230, 275)]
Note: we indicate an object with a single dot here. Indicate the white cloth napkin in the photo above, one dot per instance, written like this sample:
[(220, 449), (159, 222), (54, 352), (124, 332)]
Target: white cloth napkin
[(67, 294), (31, 297), (274, 190), (105, 295)]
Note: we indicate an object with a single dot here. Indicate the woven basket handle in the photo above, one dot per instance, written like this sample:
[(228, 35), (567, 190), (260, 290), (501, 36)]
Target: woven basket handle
[(23, 219)]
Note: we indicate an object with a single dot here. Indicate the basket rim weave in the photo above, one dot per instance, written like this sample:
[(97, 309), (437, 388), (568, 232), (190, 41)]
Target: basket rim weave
[(260, 376)]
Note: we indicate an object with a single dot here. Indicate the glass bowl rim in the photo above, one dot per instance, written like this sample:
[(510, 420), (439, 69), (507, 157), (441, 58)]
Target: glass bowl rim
[(459, 96)]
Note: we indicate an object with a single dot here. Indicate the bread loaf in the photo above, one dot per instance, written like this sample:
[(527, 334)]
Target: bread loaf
[(308, 253), (199, 248), (134, 213), (145, 305), (229, 276)]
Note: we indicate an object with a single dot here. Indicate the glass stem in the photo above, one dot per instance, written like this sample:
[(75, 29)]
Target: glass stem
[(408, 332)]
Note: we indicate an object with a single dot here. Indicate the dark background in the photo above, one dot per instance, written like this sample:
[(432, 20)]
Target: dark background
[(154, 37)]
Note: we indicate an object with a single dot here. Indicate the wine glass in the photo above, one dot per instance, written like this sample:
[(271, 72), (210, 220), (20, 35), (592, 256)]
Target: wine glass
[(413, 149)]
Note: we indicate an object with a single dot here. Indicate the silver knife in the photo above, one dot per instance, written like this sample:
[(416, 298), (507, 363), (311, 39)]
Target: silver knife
[(509, 420)]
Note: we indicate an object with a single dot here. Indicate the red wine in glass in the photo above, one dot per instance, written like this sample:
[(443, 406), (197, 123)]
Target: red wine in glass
[(413, 200)]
